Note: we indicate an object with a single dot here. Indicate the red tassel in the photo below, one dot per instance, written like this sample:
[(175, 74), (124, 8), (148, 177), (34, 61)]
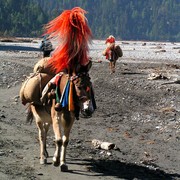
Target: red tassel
[(71, 102), (74, 35)]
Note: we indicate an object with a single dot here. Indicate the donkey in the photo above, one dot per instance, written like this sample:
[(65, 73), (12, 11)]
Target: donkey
[(112, 53), (62, 118), (70, 91)]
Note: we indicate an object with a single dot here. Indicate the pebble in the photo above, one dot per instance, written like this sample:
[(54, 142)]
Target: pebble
[(2, 153)]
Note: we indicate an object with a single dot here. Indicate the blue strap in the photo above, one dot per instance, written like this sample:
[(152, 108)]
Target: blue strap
[(64, 100)]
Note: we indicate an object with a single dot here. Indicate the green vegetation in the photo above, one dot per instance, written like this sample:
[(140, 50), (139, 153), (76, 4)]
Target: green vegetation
[(156, 20), (21, 18)]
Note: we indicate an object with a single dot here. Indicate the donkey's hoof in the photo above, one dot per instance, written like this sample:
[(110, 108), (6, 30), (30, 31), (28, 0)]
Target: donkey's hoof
[(43, 161), (64, 168), (56, 162)]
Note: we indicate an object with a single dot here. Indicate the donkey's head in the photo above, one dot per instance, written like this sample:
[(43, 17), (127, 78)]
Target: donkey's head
[(84, 90)]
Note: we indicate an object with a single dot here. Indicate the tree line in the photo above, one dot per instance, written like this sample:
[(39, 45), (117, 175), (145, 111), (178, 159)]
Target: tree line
[(125, 19)]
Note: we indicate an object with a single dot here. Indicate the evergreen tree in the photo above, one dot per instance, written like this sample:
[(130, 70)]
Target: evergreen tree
[(125, 19)]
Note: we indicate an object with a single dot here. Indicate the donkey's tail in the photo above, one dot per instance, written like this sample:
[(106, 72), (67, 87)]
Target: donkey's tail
[(29, 117)]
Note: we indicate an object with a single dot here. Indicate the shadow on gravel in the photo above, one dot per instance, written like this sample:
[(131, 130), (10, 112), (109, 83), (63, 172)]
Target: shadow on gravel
[(131, 73), (18, 48), (174, 82), (122, 170)]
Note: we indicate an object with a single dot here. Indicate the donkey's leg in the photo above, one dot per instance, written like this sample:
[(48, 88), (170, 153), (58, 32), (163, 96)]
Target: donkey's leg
[(110, 66), (113, 66), (46, 128), (42, 136), (42, 141), (57, 132), (67, 122)]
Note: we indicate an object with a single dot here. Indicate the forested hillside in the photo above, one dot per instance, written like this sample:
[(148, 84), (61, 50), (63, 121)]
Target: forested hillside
[(156, 20)]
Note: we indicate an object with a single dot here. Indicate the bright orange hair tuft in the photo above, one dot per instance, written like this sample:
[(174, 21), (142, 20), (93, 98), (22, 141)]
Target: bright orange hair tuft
[(74, 35)]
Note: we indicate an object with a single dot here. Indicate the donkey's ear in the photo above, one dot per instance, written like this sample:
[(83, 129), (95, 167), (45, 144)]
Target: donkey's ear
[(78, 68), (88, 66), (85, 68)]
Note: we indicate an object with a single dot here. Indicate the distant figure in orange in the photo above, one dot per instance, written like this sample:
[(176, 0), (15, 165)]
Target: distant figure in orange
[(112, 52)]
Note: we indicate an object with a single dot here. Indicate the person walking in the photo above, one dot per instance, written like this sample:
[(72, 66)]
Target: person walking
[(112, 52), (46, 46)]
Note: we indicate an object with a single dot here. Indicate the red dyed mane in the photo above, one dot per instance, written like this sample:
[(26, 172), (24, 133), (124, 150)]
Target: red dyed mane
[(73, 33)]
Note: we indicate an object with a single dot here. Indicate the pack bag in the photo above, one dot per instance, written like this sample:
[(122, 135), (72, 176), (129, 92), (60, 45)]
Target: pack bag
[(118, 51), (42, 66), (32, 87)]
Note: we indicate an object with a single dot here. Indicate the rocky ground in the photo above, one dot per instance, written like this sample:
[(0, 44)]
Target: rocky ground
[(138, 110)]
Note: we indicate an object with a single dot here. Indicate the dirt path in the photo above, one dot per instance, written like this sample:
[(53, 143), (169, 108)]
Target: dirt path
[(141, 116)]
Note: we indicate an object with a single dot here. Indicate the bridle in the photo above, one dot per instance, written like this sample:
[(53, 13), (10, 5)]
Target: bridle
[(78, 86)]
